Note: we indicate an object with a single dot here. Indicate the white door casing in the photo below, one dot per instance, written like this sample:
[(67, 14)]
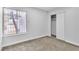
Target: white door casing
[(60, 25)]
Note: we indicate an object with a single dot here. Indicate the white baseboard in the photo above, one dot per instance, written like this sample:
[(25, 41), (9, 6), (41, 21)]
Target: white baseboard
[(71, 42), (27, 39), (32, 38)]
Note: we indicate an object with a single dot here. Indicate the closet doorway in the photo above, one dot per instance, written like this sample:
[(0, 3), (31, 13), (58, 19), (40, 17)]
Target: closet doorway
[(53, 25)]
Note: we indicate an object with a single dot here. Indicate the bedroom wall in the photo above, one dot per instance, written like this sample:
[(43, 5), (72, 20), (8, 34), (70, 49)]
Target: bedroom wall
[(37, 26), (71, 24)]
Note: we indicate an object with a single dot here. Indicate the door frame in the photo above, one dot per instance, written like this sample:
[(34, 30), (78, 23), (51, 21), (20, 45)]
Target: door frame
[(51, 25), (53, 13)]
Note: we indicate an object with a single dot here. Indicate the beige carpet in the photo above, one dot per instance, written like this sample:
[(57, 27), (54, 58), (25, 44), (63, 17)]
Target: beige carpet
[(42, 44)]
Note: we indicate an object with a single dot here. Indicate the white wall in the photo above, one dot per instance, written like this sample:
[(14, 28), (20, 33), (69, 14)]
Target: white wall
[(71, 24), (60, 25), (0, 27), (53, 25), (37, 26)]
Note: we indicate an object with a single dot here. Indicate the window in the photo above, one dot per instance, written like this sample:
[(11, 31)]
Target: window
[(14, 22)]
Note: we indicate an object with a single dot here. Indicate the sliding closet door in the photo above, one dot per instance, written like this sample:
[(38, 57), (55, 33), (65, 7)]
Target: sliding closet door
[(60, 25)]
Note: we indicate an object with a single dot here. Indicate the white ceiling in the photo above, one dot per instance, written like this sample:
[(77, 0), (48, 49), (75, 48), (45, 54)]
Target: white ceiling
[(48, 8)]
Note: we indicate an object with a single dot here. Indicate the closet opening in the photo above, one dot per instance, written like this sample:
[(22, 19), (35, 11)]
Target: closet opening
[(53, 25)]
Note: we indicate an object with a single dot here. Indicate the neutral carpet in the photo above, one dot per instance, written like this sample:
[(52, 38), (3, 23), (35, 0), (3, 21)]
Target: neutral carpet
[(42, 44)]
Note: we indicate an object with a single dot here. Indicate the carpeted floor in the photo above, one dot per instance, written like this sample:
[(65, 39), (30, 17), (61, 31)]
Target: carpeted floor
[(42, 44)]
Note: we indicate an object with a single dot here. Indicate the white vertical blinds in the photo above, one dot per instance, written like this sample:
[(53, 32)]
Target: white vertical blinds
[(14, 22)]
